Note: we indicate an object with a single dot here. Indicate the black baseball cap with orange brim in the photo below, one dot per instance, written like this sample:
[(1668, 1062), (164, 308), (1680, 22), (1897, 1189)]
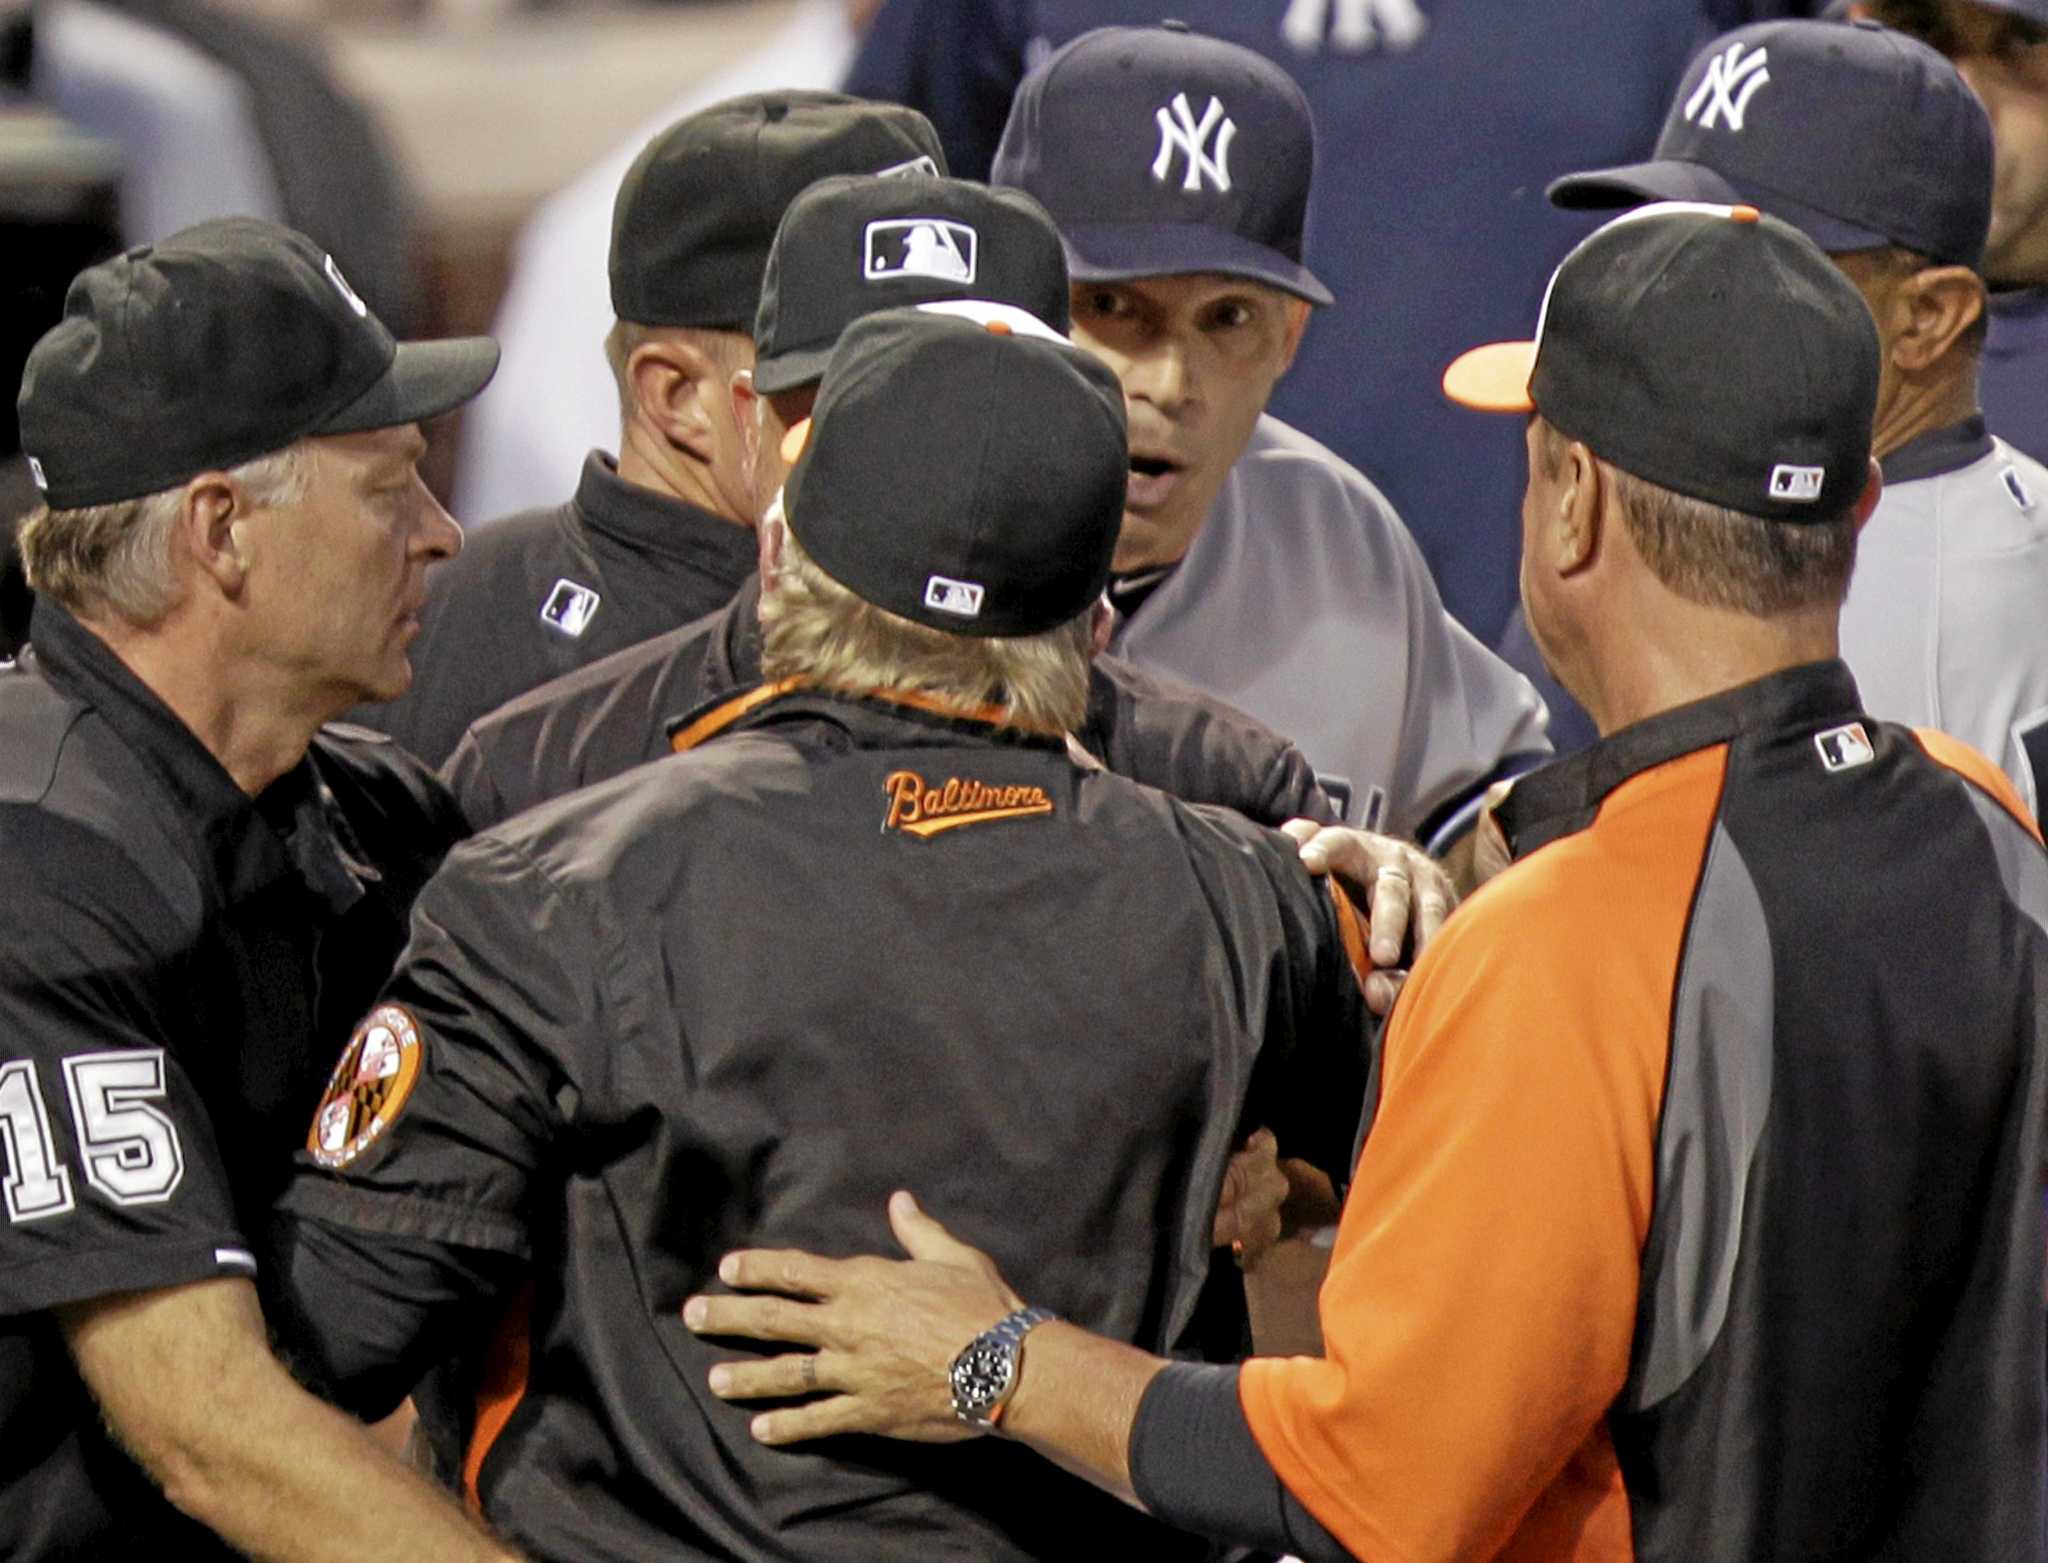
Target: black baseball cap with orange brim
[(1708, 349)]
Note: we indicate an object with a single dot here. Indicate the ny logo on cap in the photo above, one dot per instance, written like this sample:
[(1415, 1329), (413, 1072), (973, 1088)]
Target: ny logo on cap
[(570, 608), (962, 599), (921, 247), (1181, 130), (341, 286), (1724, 92), (1357, 26), (1800, 485)]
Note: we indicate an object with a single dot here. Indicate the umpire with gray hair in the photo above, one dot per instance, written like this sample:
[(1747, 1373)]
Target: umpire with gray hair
[(205, 885)]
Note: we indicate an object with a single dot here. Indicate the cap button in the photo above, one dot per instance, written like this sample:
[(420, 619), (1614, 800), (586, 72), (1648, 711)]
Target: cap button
[(775, 111), (999, 328), (1744, 214), (1174, 24)]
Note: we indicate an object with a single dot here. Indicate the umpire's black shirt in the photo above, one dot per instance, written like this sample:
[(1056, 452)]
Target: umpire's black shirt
[(539, 594), (604, 719), (178, 964)]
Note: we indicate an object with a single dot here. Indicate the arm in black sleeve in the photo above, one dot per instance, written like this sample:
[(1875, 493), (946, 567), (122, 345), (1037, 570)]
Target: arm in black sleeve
[(1195, 1464)]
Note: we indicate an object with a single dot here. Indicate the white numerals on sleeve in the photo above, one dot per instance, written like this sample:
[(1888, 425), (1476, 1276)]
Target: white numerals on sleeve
[(36, 1186), (130, 1149)]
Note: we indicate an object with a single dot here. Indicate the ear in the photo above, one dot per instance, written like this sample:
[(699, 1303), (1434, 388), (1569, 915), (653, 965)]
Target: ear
[(213, 530), (1579, 511), (1101, 625), (746, 417), (1297, 323), (671, 383), (1940, 304), (1873, 491)]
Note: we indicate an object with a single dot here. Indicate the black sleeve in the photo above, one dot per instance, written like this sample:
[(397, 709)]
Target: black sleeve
[(957, 62), (1317, 1077), (439, 1141), (1195, 1464), (112, 1177)]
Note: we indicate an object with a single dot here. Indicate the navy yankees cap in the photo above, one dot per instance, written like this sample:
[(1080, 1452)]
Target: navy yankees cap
[(855, 244), (697, 211), (210, 348), (966, 474), (1710, 350), (1159, 152), (1858, 136)]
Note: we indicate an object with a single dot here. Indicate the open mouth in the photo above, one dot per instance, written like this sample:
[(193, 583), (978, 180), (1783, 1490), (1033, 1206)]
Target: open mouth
[(1152, 479)]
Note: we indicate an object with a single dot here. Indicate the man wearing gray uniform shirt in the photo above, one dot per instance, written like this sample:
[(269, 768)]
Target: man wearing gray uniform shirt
[(1873, 145), (1253, 563)]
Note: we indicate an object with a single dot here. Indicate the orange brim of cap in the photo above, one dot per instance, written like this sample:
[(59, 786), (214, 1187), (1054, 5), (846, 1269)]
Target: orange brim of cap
[(794, 439), (1494, 378)]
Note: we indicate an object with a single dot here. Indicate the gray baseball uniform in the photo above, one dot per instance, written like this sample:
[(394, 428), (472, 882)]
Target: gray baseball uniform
[(1305, 602), (1943, 627)]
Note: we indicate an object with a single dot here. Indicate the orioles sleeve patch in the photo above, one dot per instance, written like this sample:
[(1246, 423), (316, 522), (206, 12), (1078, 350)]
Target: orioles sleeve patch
[(369, 1086)]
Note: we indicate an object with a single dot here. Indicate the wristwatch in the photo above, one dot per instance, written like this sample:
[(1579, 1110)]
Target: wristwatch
[(985, 1373)]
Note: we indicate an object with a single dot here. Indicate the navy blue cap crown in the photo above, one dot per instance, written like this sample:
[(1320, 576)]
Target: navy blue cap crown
[(1160, 152), (1858, 136)]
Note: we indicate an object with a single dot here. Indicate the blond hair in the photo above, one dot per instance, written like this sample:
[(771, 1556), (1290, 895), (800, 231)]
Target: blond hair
[(116, 558), (814, 629)]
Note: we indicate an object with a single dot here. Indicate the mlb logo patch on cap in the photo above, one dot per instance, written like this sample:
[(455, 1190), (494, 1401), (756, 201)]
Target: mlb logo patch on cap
[(950, 596), (1800, 485), (921, 247)]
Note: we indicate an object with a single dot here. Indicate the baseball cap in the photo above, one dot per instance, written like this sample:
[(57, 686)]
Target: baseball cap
[(967, 476), (855, 244), (219, 344), (2031, 10), (697, 210), (1159, 151), (1710, 350), (1856, 135)]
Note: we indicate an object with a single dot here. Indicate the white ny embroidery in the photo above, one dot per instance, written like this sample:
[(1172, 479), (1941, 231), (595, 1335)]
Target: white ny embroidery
[(1724, 92), (1181, 130)]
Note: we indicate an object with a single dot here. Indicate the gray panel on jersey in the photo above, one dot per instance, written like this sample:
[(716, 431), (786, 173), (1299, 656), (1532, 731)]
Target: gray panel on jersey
[(1717, 1095)]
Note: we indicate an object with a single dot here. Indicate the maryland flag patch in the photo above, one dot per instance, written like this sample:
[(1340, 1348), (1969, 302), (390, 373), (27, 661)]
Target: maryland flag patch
[(369, 1086)]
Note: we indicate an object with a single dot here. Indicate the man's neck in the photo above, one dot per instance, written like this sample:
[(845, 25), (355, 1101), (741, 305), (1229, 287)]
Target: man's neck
[(1923, 406), (1692, 652), (246, 719), (647, 462)]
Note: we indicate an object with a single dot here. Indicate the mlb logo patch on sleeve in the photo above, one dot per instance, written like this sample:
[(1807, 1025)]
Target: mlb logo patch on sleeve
[(1844, 748), (569, 608)]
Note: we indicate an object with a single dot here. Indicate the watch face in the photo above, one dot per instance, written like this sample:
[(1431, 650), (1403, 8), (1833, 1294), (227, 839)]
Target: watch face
[(980, 1375)]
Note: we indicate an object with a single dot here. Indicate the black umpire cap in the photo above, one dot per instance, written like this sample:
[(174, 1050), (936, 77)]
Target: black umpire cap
[(854, 245), (223, 343), (923, 481), (698, 209)]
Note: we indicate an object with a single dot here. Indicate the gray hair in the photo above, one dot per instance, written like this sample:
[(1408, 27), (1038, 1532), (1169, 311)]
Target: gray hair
[(116, 558), (815, 629)]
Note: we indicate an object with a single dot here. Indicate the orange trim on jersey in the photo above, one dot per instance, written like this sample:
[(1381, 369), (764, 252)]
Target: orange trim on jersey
[(720, 717), (507, 1364), (1351, 929), (1480, 1306), (1970, 763)]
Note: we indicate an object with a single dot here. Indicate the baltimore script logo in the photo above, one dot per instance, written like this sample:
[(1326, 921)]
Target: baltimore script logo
[(923, 809)]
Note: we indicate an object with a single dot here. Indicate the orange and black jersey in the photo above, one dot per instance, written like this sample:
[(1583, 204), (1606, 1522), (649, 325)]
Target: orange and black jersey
[(735, 998), (601, 720), (1701, 1216)]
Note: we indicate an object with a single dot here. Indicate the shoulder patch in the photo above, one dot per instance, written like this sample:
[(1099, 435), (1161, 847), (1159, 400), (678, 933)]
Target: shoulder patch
[(369, 1087), (924, 809)]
